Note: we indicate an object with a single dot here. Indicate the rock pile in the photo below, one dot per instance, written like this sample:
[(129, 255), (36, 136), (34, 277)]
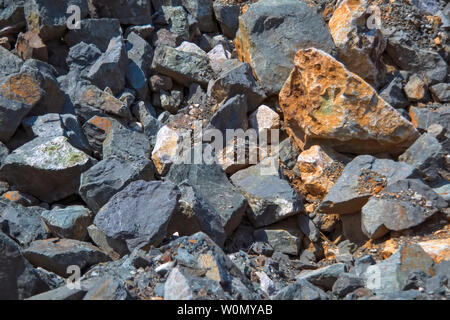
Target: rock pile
[(116, 158)]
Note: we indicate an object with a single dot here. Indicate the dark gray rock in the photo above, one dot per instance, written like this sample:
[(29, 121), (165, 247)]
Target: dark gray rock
[(11, 114), (351, 227), (202, 11), (74, 132), (48, 125), (18, 278), (57, 255), (20, 223), (107, 288), (393, 93), (71, 222), (436, 285), (227, 14), (114, 248), (441, 92), (183, 67), (159, 82), (347, 283), (177, 20), (424, 117), (308, 227), (270, 197), (52, 280), (12, 13), (212, 184), (140, 213), (3, 152), (10, 62), (111, 175), (60, 294), (140, 55), (301, 290), (324, 277), (47, 168), (135, 12), (359, 180), (402, 205)]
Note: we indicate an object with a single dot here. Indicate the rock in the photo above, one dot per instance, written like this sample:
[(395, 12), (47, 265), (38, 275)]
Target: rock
[(227, 14), (144, 31), (391, 274), (21, 198), (183, 67), (416, 89), (327, 111), (177, 21), (30, 46), (211, 183), (48, 125), (159, 82), (324, 277), (124, 217), (426, 154), (52, 280), (107, 288), (96, 130), (10, 63), (132, 12), (196, 215), (112, 247), (301, 290), (362, 178), (98, 32), (19, 279), (47, 168), (347, 283), (164, 37), (48, 19), (264, 119), (351, 227), (422, 118), (308, 227), (3, 152), (285, 237), (11, 114), (60, 294), (359, 48), (438, 249), (70, 222), (270, 197), (202, 10), (21, 224), (110, 69), (57, 255), (393, 93), (140, 55), (441, 92), (217, 56), (319, 168), (111, 175), (291, 26)]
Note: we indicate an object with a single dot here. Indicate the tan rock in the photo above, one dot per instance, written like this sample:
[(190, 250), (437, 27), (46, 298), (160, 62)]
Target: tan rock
[(359, 47), (4, 42), (30, 46), (94, 97), (264, 119), (438, 249), (416, 89), (324, 103), (319, 168)]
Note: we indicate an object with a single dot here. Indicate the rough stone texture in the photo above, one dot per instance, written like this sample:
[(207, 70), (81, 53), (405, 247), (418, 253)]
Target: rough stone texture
[(113, 248), (416, 89), (106, 289), (70, 222), (402, 205), (227, 14), (441, 92), (270, 34), (438, 249), (11, 114), (18, 278), (202, 10), (341, 111), (324, 277), (422, 118), (140, 55), (362, 178), (264, 119), (30, 46), (56, 255), (135, 12), (140, 213), (270, 197), (47, 168), (359, 48), (10, 62), (393, 93), (301, 290), (346, 284), (21, 198)]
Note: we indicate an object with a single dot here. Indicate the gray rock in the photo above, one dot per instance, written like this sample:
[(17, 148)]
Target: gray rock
[(98, 32), (71, 222), (347, 283), (107, 288), (47, 168), (135, 12), (74, 132), (111, 67), (301, 290), (159, 82), (202, 11), (177, 20), (183, 67), (436, 285), (11, 114), (227, 14), (18, 278), (125, 217), (12, 13), (270, 197), (57, 255), (359, 180), (271, 32), (3, 152), (20, 223), (441, 92), (351, 227), (393, 93), (140, 55), (114, 248), (10, 62), (48, 125), (60, 294), (21, 198), (324, 277), (111, 175), (52, 280), (424, 117), (308, 227), (402, 205), (237, 80), (81, 57)]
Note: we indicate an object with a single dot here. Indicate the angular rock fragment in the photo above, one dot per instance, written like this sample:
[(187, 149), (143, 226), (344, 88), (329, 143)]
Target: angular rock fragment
[(422, 118), (140, 213), (324, 277), (301, 290), (441, 92), (47, 168), (30, 46), (263, 120), (416, 89), (341, 111), (393, 93), (202, 10), (114, 248), (217, 57), (177, 20), (227, 14), (10, 62), (11, 114), (140, 55), (135, 12), (106, 289), (21, 198)]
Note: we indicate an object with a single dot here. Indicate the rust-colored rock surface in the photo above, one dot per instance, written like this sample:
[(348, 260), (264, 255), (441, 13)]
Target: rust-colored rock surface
[(324, 103), (30, 46)]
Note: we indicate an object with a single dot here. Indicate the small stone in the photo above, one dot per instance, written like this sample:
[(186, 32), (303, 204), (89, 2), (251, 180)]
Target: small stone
[(264, 120), (347, 283), (21, 198), (217, 56), (227, 14), (441, 92), (416, 89), (30, 46), (324, 277)]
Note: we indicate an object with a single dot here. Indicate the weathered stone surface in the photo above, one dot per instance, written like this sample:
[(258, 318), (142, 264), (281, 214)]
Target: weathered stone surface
[(202, 10), (177, 20), (422, 118), (270, 197), (21, 198), (111, 175), (324, 277), (183, 67), (211, 183), (11, 114), (438, 249), (133, 12), (140, 55), (57, 254), (48, 125), (60, 294), (362, 178), (441, 92), (391, 274), (416, 89), (140, 213), (110, 69), (96, 130), (114, 248), (264, 119), (401, 205), (107, 288), (393, 93), (18, 278), (270, 34), (217, 57), (71, 222), (301, 290), (351, 227), (22, 224), (347, 283), (10, 62), (30, 46), (47, 168), (359, 47), (227, 14), (342, 111)]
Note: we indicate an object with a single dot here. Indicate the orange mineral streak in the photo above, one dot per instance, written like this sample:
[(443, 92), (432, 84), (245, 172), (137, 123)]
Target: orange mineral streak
[(438, 249), (22, 87), (11, 195), (101, 123)]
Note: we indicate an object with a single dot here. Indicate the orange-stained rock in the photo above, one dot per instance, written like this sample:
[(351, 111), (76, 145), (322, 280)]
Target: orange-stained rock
[(319, 168), (22, 87), (92, 96), (389, 248), (324, 103), (102, 123), (359, 47), (438, 249), (30, 46)]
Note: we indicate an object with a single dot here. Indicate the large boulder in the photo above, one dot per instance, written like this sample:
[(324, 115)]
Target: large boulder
[(324, 103), (270, 34)]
